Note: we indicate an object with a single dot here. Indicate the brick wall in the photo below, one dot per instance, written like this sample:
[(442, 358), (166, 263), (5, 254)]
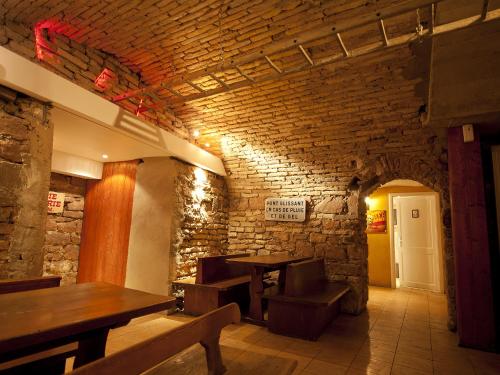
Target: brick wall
[(331, 135), (62, 237), (25, 151), (200, 218)]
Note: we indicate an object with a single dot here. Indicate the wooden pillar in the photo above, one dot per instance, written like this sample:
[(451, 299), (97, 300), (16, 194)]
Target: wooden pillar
[(106, 224), (475, 313)]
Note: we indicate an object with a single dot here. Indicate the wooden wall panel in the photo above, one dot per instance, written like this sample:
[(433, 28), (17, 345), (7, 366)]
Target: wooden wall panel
[(475, 313), (106, 224)]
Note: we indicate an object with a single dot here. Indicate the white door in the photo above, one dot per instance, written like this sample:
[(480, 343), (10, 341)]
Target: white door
[(419, 242)]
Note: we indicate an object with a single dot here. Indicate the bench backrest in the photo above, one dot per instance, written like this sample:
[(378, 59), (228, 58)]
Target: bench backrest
[(147, 354), (21, 285), (214, 268), (304, 277)]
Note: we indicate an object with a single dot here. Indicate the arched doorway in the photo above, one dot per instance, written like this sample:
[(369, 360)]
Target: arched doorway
[(427, 171), (404, 233)]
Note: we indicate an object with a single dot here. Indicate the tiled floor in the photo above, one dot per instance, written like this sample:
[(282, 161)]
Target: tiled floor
[(402, 332)]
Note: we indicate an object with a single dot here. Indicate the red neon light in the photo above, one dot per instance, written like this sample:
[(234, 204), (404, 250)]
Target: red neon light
[(44, 46), (105, 80)]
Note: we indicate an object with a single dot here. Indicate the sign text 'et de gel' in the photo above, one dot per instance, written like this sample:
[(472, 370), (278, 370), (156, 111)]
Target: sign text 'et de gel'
[(285, 209), (55, 203)]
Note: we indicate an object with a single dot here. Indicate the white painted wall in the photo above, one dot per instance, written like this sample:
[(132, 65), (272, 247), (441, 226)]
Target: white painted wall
[(72, 165), (25, 76), (149, 254)]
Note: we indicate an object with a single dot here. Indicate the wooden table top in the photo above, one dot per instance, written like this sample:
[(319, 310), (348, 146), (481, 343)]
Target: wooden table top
[(39, 316), (270, 261)]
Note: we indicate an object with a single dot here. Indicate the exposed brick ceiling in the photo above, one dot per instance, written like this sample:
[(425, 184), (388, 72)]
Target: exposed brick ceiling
[(161, 39)]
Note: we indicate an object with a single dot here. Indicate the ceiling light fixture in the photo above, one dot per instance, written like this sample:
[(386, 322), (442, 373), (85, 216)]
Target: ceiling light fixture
[(105, 156), (196, 133)]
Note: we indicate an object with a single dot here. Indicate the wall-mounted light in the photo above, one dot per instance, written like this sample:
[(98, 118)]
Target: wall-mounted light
[(368, 202), (45, 44), (196, 133), (104, 156), (207, 144)]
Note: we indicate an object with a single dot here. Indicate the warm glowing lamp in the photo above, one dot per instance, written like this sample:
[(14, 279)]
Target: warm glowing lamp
[(368, 202)]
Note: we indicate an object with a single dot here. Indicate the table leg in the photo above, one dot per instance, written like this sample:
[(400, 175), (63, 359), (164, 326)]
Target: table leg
[(91, 347), (256, 291)]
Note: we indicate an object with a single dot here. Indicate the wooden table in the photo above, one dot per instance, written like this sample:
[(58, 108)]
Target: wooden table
[(43, 319), (261, 264)]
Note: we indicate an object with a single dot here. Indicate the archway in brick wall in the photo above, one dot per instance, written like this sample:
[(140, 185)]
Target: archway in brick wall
[(430, 173)]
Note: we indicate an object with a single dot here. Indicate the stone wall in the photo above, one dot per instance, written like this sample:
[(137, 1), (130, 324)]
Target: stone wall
[(200, 217), (62, 237), (331, 135), (82, 65), (25, 152)]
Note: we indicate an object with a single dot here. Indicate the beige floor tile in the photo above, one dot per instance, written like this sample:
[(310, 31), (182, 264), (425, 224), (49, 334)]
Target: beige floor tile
[(302, 361), (414, 362), (321, 367), (371, 364), (462, 367), (403, 370), (337, 355), (381, 344), (484, 363), (304, 348), (378, 354), (277, 342), (414, 351), (403, 331)]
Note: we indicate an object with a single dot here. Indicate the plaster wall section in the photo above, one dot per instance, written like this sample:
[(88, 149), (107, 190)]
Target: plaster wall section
[(180, 213), (150, 250)]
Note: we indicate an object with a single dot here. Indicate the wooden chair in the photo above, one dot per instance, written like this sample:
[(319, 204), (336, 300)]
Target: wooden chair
[(216, 284), (49, 361), (309, 301), (147, 354), (21, 285)]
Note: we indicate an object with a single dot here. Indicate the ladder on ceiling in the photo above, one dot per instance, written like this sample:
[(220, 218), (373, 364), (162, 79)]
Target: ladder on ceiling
[(150, 97)]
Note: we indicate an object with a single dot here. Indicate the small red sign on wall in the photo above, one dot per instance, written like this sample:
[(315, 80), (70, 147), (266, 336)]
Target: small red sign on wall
[(376, 221), (56, 202)]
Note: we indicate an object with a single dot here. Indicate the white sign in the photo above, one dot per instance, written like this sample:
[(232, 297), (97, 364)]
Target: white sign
[(285, 209), (56, 202)]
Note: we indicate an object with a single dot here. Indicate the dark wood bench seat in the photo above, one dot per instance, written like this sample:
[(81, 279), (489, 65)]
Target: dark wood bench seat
[(223, 285), (216, 284), (148, 354), (327, 295), (21, 285), (309, 301)]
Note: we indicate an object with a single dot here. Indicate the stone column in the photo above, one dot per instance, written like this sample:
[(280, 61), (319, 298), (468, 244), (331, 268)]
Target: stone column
[(25, 157)]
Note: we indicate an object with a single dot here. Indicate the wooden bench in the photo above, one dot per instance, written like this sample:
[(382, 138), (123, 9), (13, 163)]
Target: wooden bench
[(49, 361), (216, 284), (308, 303), (147, 354), (21, 285)]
